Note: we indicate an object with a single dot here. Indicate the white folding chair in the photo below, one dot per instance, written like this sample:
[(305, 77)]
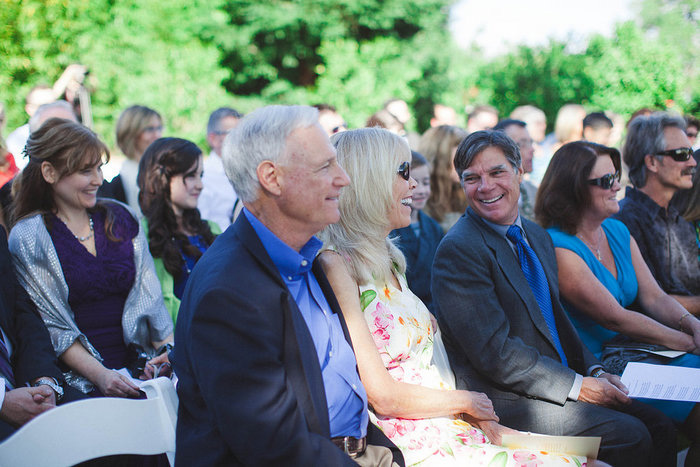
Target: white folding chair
[(99, 427)]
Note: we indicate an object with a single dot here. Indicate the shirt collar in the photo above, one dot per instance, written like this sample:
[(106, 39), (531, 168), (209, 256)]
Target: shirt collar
[(503, 229), (288, 261), (650, 205)]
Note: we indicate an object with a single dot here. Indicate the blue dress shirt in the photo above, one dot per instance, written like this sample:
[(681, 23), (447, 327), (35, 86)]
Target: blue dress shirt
[(345, 395)]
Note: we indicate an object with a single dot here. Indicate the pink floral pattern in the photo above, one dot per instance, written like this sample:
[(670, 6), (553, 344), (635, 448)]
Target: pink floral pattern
[(408, 341)]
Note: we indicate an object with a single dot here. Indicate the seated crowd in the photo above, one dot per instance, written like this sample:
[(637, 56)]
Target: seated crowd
[(329, 296)]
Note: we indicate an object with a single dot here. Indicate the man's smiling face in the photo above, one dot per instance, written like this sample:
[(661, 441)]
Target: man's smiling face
[(492, 186)]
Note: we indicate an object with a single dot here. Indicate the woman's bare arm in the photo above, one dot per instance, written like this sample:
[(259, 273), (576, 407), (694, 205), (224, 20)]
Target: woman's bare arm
[(387, 396)]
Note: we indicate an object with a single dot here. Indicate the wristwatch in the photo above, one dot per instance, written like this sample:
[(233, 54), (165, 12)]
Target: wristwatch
[(53, 384), (597, 372)]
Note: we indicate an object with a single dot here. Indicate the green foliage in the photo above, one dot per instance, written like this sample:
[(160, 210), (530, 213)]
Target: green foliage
[(352, 54), (546, 76), (622, 73), (630, 72), (158, 54), (186, 57)]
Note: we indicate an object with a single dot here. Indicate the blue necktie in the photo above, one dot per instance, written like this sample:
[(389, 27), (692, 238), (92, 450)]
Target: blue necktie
[(534, 273), (5, 367)]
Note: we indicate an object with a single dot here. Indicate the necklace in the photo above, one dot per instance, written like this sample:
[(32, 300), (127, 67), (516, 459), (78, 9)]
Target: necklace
[(88, 236), (597, 246)]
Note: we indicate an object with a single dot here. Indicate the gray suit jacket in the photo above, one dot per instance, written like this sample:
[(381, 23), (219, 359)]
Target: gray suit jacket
[(496, 337)]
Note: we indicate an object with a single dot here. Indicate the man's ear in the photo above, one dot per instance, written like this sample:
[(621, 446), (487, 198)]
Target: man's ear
[(268, 176), (48, 171), (651, 163)]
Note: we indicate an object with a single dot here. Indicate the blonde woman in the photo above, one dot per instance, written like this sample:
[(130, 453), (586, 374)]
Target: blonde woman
[(400, 355), (138, 126), (447, 202)]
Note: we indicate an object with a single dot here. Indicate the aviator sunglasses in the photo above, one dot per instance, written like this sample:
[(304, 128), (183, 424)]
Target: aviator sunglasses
[(405, 170), (606, 181), (678, 155)]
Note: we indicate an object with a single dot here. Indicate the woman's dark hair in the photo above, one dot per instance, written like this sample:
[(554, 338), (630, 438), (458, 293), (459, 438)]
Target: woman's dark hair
[(564, 192), (163, 159), (69, 147)]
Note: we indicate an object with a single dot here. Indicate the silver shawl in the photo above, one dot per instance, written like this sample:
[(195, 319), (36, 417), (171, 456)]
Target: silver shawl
[(145, 318)]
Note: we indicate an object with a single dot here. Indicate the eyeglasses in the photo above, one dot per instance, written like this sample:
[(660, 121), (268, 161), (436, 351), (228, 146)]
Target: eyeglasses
[(606, 181), (405, 170), (152, 129), (678, 155)]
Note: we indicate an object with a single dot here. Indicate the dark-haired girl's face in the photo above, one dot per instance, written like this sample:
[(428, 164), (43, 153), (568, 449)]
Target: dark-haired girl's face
[(186, 188)]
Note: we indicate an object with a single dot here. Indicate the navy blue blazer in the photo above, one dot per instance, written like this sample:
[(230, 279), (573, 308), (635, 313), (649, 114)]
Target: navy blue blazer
[(419, 252), (250, 384)]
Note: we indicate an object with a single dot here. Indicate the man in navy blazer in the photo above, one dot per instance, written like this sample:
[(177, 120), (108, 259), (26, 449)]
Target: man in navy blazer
[(267, 375), (538, 374), (38, 382)]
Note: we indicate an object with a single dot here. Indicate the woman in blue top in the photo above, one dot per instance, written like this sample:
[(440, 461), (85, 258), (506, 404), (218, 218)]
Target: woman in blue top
[(602, 272)]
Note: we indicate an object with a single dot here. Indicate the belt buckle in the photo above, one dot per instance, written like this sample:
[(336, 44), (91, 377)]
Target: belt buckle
[(346, 448)]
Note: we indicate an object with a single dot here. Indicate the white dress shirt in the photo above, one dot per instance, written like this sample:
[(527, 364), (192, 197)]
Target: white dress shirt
[(218, 197)]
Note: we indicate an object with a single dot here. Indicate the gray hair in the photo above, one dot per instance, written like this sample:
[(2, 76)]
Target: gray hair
[(370, 156), (218, 115), (478, 141), (645, 136), (36, 120), (260, 136)]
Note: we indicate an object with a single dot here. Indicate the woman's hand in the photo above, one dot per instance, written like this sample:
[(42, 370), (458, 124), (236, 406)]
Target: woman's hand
[(479, 406), (158, 366), (111, 383), (494, 430)]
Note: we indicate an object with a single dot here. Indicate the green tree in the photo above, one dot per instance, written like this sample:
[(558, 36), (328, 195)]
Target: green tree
[(352, 54), (159, 54), (676, 24)]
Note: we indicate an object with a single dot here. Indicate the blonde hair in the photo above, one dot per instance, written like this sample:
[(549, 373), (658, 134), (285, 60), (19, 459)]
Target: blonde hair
[(130, 125), (370, 156), (437, 145)]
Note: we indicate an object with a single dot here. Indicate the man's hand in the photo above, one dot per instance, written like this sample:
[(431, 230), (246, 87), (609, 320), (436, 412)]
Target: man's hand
[(158, 366), (23, 404), (607, 391)]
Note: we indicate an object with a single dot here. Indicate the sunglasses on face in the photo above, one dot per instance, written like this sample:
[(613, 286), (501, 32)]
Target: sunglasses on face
[(405, 170), (678, 155), (606, 181)]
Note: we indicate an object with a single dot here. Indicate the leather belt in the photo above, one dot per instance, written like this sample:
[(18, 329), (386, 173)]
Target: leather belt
[(353, 447)]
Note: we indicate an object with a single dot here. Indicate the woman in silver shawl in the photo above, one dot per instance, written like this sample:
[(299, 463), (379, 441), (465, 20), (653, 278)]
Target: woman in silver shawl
[(85, 264)]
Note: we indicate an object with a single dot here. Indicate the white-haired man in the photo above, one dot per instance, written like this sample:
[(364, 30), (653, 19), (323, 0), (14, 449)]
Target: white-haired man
[(267, 373)]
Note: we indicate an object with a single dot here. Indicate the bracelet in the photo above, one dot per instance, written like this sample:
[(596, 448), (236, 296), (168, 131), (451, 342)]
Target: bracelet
[(680, 321), (597, 372)]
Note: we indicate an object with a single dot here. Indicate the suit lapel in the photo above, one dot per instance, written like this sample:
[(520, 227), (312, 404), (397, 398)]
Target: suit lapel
[(510, 267)]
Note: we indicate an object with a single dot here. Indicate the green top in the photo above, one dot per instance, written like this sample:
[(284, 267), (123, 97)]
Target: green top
[(167, 282)]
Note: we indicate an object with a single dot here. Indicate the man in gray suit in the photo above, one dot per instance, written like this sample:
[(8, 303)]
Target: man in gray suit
[(497, 300)]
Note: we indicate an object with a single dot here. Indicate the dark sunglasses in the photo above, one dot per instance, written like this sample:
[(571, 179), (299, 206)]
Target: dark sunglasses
[(678, 155), (405, 170), (606, 181)]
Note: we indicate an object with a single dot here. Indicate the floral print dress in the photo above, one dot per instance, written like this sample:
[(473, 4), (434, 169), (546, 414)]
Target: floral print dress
[(409, 342)]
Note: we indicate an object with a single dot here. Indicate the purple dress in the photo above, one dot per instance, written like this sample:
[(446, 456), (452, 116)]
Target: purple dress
[(99, 285)]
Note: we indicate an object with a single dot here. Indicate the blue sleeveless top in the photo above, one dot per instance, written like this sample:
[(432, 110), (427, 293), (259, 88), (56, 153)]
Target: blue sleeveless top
[(624, 288)]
